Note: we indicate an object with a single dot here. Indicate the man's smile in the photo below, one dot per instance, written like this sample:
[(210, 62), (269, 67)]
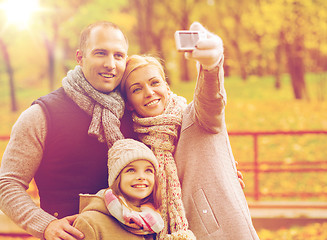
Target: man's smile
[(107, 75)]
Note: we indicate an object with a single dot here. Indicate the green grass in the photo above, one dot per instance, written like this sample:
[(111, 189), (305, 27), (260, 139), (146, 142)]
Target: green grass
[(256, 105), (261, 88)]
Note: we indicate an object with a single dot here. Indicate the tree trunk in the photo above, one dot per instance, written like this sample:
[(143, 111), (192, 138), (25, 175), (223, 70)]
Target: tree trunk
[(184, 70), (184, 73), (235, 44), (295, 54), (296, 70), (10, 73), (278, 60), (51, 46), (240, 57), (143, 8), (51, 62)]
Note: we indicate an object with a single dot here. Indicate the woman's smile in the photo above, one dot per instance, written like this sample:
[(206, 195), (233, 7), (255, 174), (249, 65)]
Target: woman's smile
[(153, 102)]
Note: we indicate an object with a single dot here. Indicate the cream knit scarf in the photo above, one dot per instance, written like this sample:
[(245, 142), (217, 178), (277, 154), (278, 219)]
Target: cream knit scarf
[(105, 109), (161, 134)]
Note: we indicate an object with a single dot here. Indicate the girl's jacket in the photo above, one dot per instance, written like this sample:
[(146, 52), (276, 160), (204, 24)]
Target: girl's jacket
[(96, 222)]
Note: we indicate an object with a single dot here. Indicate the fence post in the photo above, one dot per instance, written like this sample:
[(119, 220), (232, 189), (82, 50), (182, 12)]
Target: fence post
[(256, 168)]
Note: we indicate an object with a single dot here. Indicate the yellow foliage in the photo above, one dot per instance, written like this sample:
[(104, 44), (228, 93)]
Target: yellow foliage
[(315, 231)]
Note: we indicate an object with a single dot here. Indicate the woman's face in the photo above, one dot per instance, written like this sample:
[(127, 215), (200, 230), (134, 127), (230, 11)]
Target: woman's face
[(146, 91)]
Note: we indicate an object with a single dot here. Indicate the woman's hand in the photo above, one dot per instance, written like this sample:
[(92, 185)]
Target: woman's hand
[(209, 51)]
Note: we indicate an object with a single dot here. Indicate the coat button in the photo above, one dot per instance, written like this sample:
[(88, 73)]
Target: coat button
[(205, 211)]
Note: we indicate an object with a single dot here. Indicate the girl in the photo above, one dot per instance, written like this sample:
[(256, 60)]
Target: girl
[(128, 209), (214, 201)]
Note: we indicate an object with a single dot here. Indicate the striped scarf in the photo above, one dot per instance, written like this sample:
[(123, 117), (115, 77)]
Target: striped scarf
[(147, 221), (161, 134), (105, 109)]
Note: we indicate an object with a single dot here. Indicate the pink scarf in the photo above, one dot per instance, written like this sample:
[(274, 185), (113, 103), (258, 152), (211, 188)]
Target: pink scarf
[(147, 221)]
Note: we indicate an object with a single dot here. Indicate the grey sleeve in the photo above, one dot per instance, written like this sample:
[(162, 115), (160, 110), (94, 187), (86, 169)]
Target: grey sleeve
[(19, 164)]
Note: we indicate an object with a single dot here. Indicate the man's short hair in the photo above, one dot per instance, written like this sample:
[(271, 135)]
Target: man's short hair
[(85, 34)]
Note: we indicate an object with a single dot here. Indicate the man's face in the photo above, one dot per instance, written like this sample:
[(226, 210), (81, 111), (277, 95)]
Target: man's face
[(103, 60)]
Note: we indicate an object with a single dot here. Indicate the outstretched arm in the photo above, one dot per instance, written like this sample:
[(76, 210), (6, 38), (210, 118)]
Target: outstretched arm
[(210, 95)]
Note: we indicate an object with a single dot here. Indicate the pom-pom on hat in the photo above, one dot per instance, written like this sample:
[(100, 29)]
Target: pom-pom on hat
[(125, 151)]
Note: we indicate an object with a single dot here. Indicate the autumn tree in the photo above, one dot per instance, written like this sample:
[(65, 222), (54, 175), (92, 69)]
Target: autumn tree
[(10, 72), (181, 12), (157, 20), (58, 12), (261, 37), (294, 37), (271, 37)]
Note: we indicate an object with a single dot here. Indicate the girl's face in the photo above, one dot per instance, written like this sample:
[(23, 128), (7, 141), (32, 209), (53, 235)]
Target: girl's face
[(146, 91), (137, 181)]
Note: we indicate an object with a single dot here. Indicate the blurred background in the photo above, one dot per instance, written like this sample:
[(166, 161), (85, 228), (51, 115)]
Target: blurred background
[(275, 78)]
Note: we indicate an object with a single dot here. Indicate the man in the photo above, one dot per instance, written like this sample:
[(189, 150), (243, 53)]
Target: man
[(63, 138)]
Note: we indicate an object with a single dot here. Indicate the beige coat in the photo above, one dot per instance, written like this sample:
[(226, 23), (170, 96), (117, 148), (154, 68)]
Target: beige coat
[(96, 223), (214, 201)]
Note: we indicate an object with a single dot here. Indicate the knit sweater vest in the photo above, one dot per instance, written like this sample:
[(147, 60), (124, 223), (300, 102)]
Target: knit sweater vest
[(73, 162)]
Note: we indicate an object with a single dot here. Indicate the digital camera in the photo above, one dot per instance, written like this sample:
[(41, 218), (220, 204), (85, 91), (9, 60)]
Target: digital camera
[(186, 40)]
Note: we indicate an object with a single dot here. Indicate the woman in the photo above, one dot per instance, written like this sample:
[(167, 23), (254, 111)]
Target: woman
[(214, 202)]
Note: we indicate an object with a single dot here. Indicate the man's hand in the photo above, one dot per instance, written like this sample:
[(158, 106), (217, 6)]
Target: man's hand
[(63, 229), (240, 177), (208, 51)]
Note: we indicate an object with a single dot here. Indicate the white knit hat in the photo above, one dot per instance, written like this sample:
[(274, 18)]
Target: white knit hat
[(125, 151)]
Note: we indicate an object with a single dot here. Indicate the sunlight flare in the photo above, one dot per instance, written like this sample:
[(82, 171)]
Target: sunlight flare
[(19, 12)]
